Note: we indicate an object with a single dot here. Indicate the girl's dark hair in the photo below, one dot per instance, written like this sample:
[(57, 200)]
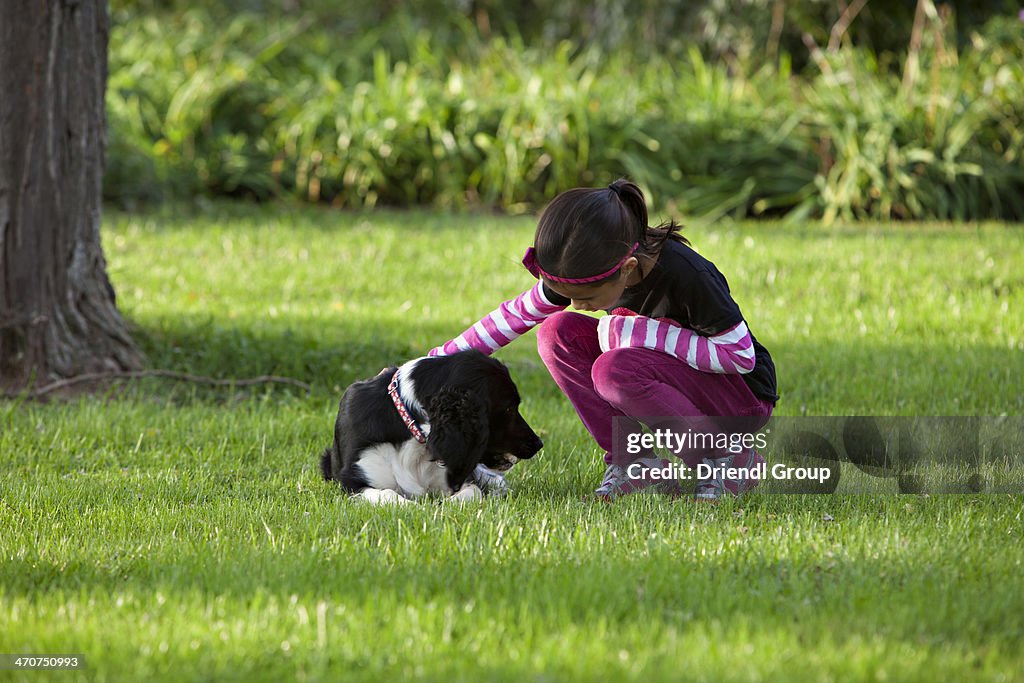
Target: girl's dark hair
[(585, 231)]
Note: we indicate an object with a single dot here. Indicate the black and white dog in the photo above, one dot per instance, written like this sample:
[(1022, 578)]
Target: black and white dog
[(424, 428)]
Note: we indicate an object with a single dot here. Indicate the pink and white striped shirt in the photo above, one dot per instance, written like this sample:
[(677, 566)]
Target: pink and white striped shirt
[(509, 321), (729, 352)]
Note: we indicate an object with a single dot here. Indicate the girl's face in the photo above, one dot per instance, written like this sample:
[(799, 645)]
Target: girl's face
[(600, 296)]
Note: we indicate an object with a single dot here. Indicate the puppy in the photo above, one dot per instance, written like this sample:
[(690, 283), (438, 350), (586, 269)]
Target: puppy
[(424, 427)]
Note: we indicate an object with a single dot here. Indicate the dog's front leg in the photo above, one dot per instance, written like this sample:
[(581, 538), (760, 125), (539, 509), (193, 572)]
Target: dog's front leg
[(468, 493), (382, 497)]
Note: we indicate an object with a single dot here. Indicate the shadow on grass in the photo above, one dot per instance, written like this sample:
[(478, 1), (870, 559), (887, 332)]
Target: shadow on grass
[(933, 378), (324, 358)]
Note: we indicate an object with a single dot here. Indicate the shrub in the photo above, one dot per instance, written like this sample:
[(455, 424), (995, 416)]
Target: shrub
[(262, 109)]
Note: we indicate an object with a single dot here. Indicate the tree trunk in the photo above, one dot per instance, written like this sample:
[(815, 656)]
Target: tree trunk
[(58, 317)]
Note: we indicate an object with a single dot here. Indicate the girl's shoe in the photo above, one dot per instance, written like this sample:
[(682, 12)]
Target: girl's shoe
[(717, 487), (492, 483), (618, 482)]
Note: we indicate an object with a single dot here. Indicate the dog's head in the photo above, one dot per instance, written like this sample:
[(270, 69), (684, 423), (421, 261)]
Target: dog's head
[(473, 407)]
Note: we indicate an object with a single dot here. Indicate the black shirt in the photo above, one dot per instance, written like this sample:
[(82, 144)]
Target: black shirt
[(687, 288)]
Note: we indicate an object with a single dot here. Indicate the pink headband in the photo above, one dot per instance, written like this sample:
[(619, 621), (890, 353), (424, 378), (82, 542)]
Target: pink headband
[(530, 261)]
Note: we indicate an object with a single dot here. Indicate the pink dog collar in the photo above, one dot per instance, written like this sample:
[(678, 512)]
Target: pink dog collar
[(403, 411)]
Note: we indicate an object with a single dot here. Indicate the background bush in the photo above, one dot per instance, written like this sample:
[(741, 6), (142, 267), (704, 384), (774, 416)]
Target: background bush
[(470, 105)]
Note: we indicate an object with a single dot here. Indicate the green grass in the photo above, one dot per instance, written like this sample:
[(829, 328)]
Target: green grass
[(177, 532)]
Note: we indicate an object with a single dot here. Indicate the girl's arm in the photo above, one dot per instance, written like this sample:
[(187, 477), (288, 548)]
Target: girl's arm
[(729, 352), (507, 322)]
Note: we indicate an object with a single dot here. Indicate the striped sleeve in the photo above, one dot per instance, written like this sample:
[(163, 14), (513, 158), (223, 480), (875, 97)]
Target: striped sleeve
[(507, 322), (730, 352)]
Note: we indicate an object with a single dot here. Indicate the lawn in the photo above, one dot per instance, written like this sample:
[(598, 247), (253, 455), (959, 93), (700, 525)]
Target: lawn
[(175, 531)]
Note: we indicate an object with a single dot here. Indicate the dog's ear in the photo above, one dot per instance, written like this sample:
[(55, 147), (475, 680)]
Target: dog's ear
[(458, 431)]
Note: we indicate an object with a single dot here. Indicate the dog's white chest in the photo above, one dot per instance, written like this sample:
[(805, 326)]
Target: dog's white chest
[(405, 468)]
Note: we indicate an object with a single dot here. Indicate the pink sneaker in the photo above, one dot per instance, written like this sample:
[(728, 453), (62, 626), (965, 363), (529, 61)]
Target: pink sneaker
[(716, 486)]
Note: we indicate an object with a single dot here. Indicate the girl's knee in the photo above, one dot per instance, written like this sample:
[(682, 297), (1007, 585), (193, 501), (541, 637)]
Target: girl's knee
[(616, 375), (562, 329)]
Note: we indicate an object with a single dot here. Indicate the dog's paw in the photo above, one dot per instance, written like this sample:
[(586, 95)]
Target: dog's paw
[(382, 497), (467, 494)]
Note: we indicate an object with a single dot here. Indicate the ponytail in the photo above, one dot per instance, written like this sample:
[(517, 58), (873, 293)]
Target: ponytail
[(633, 199), (651, 239)]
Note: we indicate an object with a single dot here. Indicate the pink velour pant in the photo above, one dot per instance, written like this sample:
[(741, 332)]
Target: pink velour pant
[(641, 386)]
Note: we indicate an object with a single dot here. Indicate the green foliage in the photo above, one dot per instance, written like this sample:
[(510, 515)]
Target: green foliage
[(942, 142), (395, 115), (746, 31)]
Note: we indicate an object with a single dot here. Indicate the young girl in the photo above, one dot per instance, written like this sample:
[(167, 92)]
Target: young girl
[(674, 349)]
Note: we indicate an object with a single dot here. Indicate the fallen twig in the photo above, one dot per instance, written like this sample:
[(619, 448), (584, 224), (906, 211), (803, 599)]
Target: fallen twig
[(168, 374)]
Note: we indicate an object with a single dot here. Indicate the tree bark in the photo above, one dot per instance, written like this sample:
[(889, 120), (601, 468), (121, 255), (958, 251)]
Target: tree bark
[(58, 316)]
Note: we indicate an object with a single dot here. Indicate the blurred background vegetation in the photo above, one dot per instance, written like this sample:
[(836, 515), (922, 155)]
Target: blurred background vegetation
[(825, 108)]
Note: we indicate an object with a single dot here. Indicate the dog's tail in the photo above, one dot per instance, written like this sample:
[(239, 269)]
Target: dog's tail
[(326, 462)]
